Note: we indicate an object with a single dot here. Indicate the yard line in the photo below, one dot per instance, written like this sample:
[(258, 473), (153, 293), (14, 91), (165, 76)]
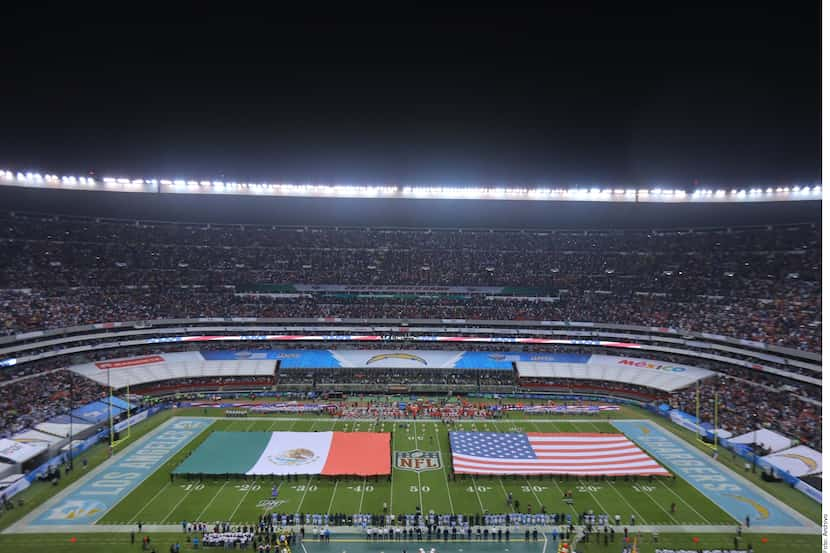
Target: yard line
[(475, 487), (302, 499), (613, 487), (158, 493), (656, 503), (192, 486), (684, 501), (443, 469), (199, 518), (310, 478), (530, 486), (501, 482), (362, 491), (391, 475), (230, 518), (538, 429), (661, 508), (420, 492), (337, 481), (587, 487)]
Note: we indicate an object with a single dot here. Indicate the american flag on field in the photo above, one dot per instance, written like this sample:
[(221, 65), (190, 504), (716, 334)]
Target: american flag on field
[(538, 453)]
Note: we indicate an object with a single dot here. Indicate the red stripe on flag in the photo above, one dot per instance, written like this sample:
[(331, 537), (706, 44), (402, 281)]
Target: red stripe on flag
[(359, 453)]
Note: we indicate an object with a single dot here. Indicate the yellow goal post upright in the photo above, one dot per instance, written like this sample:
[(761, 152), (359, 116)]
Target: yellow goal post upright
[(699, 434), (113, 441)]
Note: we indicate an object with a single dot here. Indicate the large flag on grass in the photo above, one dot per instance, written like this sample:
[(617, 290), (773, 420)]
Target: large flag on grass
[(262, 453), (538, 453)]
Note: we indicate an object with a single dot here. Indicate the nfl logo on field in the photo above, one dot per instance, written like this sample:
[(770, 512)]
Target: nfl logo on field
[(417, 460)]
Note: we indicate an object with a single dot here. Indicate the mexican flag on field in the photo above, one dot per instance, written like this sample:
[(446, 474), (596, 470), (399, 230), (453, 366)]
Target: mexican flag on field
[(264, 453), (331, 453)]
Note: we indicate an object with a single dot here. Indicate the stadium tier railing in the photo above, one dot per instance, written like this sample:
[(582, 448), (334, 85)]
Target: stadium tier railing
[(785, 362)]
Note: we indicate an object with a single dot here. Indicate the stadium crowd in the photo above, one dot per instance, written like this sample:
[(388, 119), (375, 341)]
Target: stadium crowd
[(30, 401), (743, 408), (759, 284)]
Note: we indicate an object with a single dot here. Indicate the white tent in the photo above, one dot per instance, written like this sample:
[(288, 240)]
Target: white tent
[(765, 438), (18, 452), (798, 461)]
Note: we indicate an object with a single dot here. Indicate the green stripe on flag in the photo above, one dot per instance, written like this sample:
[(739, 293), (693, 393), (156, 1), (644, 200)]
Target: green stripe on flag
[(226, 453)]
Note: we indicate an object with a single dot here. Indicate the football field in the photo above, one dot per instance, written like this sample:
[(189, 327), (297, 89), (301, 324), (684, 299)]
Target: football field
[(158, 500)]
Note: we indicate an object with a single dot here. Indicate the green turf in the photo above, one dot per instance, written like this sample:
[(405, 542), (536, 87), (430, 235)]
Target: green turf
[(160, 501)]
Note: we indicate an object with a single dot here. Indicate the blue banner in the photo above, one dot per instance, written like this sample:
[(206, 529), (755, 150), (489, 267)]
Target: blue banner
[(96, 412), (325, 359)]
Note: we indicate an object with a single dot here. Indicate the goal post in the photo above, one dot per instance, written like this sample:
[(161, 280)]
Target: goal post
[(700, 431)]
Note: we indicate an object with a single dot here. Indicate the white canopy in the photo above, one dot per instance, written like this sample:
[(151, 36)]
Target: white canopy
[(766, 438), (18, 452), (643, 372), (798, 461), (167, 366), (35, 437)]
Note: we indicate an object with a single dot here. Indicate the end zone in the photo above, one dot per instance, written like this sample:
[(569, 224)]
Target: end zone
[(86, 501)]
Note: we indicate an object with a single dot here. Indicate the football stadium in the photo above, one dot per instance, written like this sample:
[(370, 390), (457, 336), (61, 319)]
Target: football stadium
[(468, 287)]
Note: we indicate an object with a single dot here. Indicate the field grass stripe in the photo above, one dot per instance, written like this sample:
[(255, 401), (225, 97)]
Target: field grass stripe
[(230, 519), (212, 499), (391, 478), (475, 487), (179, 502), (420, 487), (587, 486), (334, 492), (305, 491), (158, 493), (654, 501), (661, 507), (555, 483), (362, 493), (678, 496), (444, 468), (613, 487)]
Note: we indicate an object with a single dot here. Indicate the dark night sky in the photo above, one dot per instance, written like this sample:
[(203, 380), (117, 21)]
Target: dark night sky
[(577, 96)]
